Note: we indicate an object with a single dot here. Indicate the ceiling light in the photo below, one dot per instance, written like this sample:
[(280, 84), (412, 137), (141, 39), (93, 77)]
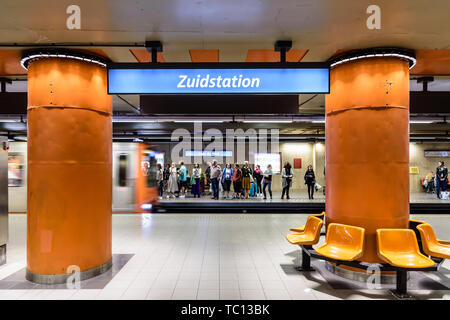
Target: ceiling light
[(420, 121), (353, 55), (31, 55)]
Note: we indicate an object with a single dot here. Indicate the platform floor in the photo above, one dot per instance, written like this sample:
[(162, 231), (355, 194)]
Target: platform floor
[(415, 197), (207, 256)]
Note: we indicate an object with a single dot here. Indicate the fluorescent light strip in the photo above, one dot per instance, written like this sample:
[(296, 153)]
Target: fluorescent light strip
[(195, 121), (414, 60), (267, 121), (57, 55)]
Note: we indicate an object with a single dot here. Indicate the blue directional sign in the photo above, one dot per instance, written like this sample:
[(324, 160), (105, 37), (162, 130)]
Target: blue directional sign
[(220, 78)]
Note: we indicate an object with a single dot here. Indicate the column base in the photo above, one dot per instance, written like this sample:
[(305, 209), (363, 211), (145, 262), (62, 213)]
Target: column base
[(362, 276), (62, 278), (2, 254)]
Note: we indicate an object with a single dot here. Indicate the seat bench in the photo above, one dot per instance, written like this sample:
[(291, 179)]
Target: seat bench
[(399, 248)]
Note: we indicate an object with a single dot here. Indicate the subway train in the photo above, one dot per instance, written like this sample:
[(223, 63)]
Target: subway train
[(134, 176)]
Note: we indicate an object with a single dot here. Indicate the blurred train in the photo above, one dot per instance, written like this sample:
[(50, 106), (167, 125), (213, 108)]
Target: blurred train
[(134, 176)]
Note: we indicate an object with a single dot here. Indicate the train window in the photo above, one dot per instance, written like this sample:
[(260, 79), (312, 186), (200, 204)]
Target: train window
[(149, 167), (15, 170), (123, 165)]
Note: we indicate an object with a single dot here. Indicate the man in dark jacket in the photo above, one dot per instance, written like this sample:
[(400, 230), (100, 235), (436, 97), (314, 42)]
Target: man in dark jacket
[(441, 178)]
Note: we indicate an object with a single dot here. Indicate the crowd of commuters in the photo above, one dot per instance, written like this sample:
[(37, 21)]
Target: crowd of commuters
[(245, 181)]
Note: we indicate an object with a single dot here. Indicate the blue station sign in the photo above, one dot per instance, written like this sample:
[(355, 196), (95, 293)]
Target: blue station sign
[(218, 78)]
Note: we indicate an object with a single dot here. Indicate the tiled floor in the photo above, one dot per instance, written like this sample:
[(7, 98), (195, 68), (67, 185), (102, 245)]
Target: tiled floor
[(204, 256)]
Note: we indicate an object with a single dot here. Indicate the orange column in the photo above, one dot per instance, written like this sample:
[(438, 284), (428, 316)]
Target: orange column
[(367, 147), (69, 169)]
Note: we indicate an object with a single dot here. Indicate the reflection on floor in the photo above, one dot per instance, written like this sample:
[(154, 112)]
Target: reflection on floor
[(207, 256), (319, 197)]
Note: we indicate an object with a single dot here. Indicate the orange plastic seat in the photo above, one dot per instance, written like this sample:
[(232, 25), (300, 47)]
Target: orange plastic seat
[(302, 228), (431, 245), (310, 235), (413, 222), (399, 248), (343, 242)]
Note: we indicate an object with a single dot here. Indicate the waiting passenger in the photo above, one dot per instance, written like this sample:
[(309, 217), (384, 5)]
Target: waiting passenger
[(172, 185), (310, 181), (258, 175), (227, 176), (182, 175), (286, 179), (267, 181), (160, 180), (215, 176), (166, 176), (441, 178), (208, 176), (196, 174), (237, 182), (246, 184)]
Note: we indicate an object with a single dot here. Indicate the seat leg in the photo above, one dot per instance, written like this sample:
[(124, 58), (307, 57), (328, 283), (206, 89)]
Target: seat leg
[(401, 290), (306, 262)]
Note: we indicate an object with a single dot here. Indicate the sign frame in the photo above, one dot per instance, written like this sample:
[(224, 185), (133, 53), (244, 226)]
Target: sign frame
[(219, 66)]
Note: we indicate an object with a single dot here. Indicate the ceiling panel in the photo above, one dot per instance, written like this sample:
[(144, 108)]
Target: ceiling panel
[(270, 55), (204, 55), (142, 55)]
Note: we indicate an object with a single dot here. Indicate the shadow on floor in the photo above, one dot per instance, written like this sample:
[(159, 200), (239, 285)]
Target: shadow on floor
[(17, 279)]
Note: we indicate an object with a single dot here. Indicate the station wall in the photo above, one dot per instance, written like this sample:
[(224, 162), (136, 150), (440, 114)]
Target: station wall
[(310, 153)]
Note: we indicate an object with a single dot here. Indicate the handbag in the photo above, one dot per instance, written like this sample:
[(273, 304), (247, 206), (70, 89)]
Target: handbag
[(317, 186)]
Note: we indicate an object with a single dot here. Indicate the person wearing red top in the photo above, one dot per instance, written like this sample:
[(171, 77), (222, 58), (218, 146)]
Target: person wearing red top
[(237, 182)]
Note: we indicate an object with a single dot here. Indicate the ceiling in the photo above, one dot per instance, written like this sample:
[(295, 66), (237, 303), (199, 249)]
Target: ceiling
[(230, 31)]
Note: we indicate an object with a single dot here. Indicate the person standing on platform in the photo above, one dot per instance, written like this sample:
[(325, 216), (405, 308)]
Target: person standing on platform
[(160, 180), (227, 176), (215, 176), (208, 176), (166, 176), (182, 172), (237, 182), (258, 176), (441, 178), (310, 181), (286, 179), (267, 181), (172, 186), (196, 174), (246, 173)]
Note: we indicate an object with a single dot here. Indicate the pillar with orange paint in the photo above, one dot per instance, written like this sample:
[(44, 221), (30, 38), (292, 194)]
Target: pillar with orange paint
[(69, 170), (367, 146)]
